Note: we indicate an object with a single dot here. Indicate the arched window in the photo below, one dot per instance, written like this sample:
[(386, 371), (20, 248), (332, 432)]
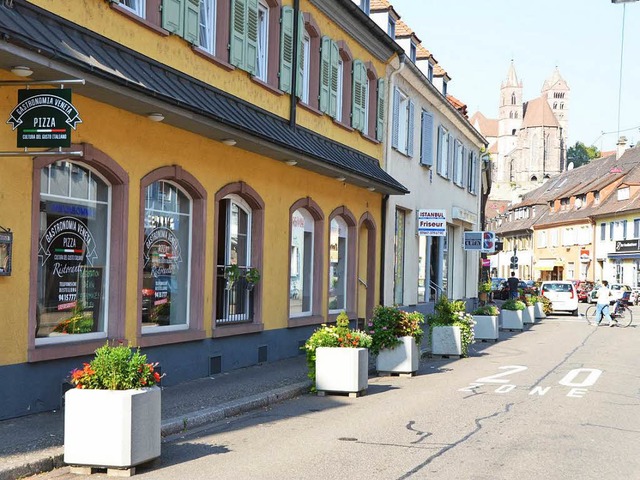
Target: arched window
[(561, 106), (555, 105), (171, 275), (534, 178), (513, 99), (510, 114), (342, 244), (305, 268), (238, 243), (77, 294)]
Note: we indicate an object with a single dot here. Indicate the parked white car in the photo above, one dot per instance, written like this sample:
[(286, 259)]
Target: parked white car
[(562, 294), (617, 290)]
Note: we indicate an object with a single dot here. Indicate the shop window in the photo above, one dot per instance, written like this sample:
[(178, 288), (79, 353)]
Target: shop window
[(341, 261), (79, 214), (172, 257), (305, 256), (398, 277), (73, 253)]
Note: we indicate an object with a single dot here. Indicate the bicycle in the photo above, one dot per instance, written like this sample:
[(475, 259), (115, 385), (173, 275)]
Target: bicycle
[(621, 314)]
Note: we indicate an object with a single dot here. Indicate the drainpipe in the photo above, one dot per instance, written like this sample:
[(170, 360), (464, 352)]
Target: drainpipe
[(294, 63), (387, 154)]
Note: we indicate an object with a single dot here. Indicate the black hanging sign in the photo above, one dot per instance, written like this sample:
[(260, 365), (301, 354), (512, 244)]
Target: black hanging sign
[(44, 118)]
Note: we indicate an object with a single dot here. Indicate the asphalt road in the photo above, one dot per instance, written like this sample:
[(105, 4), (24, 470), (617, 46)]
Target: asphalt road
[(557, 401)]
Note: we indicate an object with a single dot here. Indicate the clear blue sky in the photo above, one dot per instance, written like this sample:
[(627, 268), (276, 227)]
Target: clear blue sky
[(475, 40)]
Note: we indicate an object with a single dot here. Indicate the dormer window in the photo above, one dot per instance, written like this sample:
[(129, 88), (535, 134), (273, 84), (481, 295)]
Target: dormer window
[(412, 52), (363, 4), (444, 87), (391, 27), (564, 203), (623, 193), (596, 197), (430, 73)]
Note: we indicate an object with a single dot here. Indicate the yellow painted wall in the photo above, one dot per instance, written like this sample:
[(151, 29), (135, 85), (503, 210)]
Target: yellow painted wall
[(141, 146), (174, 51)]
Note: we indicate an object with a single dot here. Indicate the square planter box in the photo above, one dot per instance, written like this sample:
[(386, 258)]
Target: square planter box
[(539, 310), (340, 369), (446, 340), (486, 327), (111, 428), (512, 319), (403, 358), (529, 315)]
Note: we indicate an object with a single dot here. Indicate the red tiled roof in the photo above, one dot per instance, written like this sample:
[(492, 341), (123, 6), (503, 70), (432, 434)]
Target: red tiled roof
[(458, 105), (538, 113), (488, 127)]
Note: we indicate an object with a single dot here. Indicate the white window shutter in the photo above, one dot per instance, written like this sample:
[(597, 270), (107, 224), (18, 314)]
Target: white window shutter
[(426, 143), (410, 125)]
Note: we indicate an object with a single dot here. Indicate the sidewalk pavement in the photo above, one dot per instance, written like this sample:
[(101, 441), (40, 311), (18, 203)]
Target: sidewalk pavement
[(34, 444)]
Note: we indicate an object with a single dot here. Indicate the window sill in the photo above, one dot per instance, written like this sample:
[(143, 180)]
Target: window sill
[(343, 125), (155, 339), (212, 58), (305, 321), (404, 154), (267, 86), (371, 139), (241, 329), (64, 350), (306, 106), (139, 20)]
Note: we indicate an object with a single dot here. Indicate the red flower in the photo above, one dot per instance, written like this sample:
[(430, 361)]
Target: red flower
[(156, 376)]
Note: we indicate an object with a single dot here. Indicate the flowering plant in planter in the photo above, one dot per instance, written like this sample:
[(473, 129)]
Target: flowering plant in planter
[(116, 368), (546, 304), (390, 323), (338, 335), (452, 313), (489, 310)]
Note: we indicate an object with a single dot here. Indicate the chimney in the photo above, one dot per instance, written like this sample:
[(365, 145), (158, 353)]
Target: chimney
[(621, 146)]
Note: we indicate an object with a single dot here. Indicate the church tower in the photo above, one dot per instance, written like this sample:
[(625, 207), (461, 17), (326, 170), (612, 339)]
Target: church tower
[(509, 121), (556, 91)]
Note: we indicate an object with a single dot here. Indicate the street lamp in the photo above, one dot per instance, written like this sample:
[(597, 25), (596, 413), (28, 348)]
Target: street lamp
[(624, 10)]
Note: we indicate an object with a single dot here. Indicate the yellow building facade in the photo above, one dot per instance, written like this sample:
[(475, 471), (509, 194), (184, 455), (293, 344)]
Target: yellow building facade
[(199, 210)]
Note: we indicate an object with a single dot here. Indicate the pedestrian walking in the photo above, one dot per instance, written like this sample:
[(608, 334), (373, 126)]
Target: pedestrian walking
[(512, 283), (602, 304)]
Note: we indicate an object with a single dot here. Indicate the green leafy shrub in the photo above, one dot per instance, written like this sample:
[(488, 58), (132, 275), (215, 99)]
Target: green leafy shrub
[(528, 300), (484, 287), (390, 323), (453, 313), (116, 368), (338, 335), (513, 304), (490, 310)]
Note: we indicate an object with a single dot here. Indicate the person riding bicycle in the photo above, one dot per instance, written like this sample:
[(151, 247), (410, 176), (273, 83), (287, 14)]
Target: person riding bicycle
[(602, 304)]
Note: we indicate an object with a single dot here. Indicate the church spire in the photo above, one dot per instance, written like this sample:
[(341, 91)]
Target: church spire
[(512, 77)]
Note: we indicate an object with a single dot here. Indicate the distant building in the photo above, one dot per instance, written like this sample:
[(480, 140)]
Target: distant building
[(528, 139)]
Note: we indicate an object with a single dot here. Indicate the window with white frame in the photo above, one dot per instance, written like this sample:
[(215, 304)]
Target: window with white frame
[(603, 231), (166, 251), (623, 193), (73, 255), (401, 120), (263, 42), (306, 67), (458, 162), (207, 36), (569, 237), (443, 151), (553, 241), (391, 27), (136, 6), (619, 230), (412, 52), (301, 274), (338, 247)]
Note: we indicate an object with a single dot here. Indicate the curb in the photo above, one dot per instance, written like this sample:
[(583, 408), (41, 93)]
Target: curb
[(52, 458)]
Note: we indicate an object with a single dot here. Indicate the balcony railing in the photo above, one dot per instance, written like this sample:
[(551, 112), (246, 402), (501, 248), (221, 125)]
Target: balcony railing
[(234, 300)]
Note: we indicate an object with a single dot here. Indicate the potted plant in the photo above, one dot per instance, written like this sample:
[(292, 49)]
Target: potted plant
[(112, 416), (450, 328), (252, 277), (231, 275), (338, 358), (396, 336), (542, 306), (512, 314), (529, 313), (486, 322), (484, 288)]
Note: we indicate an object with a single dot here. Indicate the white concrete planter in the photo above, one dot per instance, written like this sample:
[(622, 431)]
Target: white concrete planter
[(486, 327), (341, 369), (512, 319), (111, 428), (539, 309), (403, 358), (529, 315), (446, 340)]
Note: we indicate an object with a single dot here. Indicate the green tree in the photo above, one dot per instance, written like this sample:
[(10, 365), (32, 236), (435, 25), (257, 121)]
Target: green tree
[(580, 154)]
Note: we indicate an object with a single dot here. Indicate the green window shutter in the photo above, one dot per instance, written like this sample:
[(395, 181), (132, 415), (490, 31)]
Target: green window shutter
[(380, 111), (325, 75), (172, 16), (191, 20), (286, 48), (251, 39), (358, 101), (333, 87), (237, 35), (300, 55)]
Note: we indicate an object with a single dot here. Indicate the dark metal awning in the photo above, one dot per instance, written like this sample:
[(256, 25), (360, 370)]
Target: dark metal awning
[(114, 74)]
